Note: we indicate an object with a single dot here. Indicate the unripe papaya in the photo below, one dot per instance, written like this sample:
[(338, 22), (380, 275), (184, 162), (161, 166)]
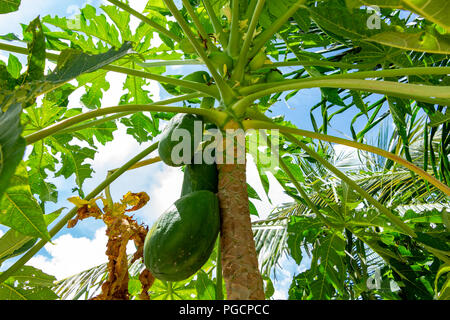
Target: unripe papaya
[(274, 76), (166, 145), (258, 61), (221, 61), (199, 177), (183, 238), (207, 103), (250, 79), (197, 76)]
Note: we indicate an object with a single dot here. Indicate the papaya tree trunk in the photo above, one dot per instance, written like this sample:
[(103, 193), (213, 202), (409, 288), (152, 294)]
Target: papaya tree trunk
[(240, 270)]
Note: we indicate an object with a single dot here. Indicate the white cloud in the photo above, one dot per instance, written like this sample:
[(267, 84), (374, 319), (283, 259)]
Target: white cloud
[(288, 268), (164, 191), (70, 255)]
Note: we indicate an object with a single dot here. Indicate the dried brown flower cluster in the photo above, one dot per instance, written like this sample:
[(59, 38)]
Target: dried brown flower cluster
[(121, 228)]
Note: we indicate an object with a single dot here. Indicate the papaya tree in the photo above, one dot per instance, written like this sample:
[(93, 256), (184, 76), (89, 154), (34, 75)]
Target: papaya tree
[(389, 62)]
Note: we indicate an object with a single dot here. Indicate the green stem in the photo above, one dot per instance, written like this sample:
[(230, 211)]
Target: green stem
[(108, 195), (274, 27), (198, 24), (353, 75), (425, 93), (169, 63), (218, 29), (225, 91), (235, 34), (200, 87), (212, 115), (257, 124), (297, 186), (238, 71), (63, 222), (143, 18), (324, 63), (250, 9), (219, 279), (96, 122), (393, 218)]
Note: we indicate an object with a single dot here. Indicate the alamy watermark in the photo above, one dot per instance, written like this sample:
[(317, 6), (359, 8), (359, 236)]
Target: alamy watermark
[(376, 282), (374, 21), (229, 147)]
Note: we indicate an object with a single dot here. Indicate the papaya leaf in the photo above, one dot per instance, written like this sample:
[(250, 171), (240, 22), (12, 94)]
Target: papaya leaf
[(94, 93), (9, 37), (12, 145), (14, 243), (421, 41), (439, 118), (14, 66), (301, 229), (36, 51), (436, 11), (7, 6), (72, 63), (166, 290), (28, 283), (121, 19), (328, 266), (103, 132), (140, 126), (206, 288), (39, 161), (20, 210), (343, 25), (73, 159)]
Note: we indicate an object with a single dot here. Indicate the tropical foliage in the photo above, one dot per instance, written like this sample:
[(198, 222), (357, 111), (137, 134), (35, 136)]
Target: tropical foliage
[(378, 229)]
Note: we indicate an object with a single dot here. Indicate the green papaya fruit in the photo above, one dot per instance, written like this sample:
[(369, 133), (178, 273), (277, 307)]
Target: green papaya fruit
[(221, 61), (274, 76), (190, 144), (250, 79), (258, 61), (183, 238), (197, 76), (207, 103), (199, 177)]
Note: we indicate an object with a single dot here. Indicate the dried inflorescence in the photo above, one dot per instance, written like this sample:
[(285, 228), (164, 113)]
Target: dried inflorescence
[(121, 228)]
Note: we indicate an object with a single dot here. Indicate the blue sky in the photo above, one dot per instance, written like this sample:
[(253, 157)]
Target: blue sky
[(82, 247)]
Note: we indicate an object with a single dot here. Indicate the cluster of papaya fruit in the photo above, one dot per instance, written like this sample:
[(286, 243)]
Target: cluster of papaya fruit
[(182, 239), (256, 72)]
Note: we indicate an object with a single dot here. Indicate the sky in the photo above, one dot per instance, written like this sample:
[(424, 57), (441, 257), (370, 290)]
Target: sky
[(77, 249)]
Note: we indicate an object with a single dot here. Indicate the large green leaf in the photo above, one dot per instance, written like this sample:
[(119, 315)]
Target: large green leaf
[(7, 6), (206, 288), (418, 41), (301, 229), (166, 290), (19, 209), (28, 283), (14, 243), (72, 63), (437, 11), (73, 159), (328, 265), (36, 51), (12, 145)]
